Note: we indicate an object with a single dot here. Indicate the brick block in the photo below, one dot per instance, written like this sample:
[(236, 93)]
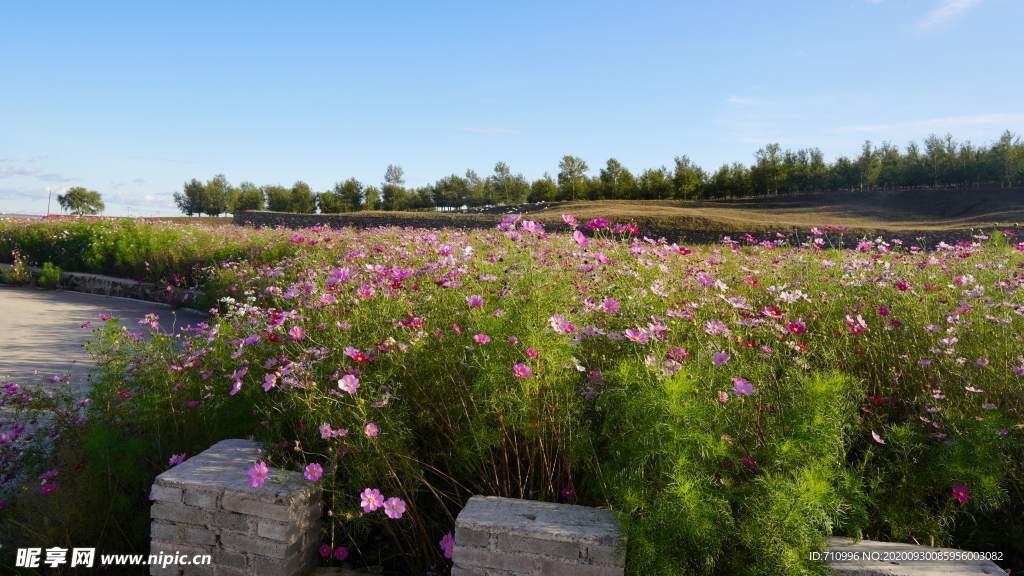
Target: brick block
[(484, 558), (278, 531), (237, 503), (230, 520), (199, 570), (166, 494), (177, 514), (232, 558), (553, 567), (296, 563), (605, 555), (257, 545), (200, 499), (465, 536), (168, 532), (460, 571), (173, 548), (553, 548), (200, 536), (223, 570)]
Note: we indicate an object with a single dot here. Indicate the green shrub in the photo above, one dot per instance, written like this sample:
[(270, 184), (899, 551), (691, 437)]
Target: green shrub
[(50, 276)]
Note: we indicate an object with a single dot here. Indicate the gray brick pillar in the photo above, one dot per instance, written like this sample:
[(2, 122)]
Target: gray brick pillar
[(526, 538), (207, 506)]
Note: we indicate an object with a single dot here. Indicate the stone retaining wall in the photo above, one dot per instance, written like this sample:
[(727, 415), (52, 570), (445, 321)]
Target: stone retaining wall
[(438, 220), (120, 287), (509, 537), (207, 506)]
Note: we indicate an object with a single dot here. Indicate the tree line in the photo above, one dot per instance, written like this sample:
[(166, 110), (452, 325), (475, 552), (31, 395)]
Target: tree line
[(939, 162)]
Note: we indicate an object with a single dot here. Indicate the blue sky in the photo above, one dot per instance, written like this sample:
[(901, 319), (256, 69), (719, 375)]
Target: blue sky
[(131, 99)]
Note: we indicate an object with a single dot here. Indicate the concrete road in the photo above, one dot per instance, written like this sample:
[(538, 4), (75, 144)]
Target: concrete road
[(41, 330)]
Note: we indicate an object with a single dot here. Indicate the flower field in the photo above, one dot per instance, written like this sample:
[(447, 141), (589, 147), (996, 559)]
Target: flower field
[(737, 402)]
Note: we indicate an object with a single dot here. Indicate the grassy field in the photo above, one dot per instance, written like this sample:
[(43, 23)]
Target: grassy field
[(924, 210)]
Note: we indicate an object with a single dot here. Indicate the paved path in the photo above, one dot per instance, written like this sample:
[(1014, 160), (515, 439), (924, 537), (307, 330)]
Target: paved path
[(41, 330)]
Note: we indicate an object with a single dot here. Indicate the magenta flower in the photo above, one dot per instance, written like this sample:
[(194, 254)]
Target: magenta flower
[(258, 474), (610, 306), (961, 494), (475, 301), (177, 459), (580, 239), (720, 358), (325, 550), (741, 387), (597, 224), (297, 333), (877, 437), (371, 430), (394, 507), (371, 499), (924, 362), (104, 317), (988, 406), (87, 324), (723, 396), (635, 335), (568, 493), (47, 488), (571, 221), (481, 338), (796, 328), (314, 472), (513, 340), (447, 544), (340, 553), (48, 475), (521, 371), (348, 383), (531, 352)]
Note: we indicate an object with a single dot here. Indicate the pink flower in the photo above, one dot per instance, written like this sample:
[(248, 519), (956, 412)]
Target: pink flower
[(314, 472), (475, 301), (258, 474), (720, 358), (580, 239), (568, 493), (482, 338), (371, 430), (46, 489), (349, 383), (371, 499), (176, 459), (456, 328), (531, 352), (610, 306), (597, 224), (877, 437), (521, 371), (394, 507), (104, 317), (723, 396), (447, 544), (796, 328), (513, 340), (961, 494), (571, 221), (340, 553), (297, 333), (87, 324), (741, 387), (325, 431)]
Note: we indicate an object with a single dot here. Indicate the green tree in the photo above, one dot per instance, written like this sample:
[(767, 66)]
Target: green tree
[(476, 190), (372, 195), (249, 197), (817, 170), (655, 184), (80, 201), (688, 179), (766, 173), (302, 199), (190, 199), (279, 198), (543, 189), (508, 188), (394, 196), (450, 191), (867, 166), (616, 182), (1008, 157), (572, 177), (215, 196), (890, 166)]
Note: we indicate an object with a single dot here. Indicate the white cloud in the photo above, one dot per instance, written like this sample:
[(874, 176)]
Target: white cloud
[(57, 178), (874, 1), (8, 171), (946, 11), (999, 121), (487, 130), (127, 198), (23, 193)]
